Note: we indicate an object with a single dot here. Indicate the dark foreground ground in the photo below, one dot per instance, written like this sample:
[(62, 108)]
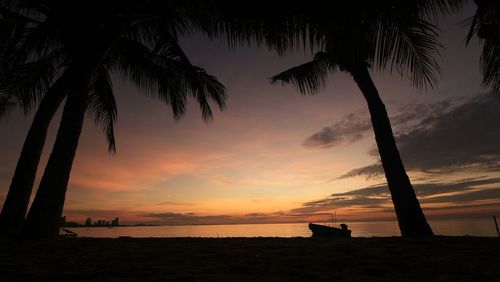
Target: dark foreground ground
[(252, 259)]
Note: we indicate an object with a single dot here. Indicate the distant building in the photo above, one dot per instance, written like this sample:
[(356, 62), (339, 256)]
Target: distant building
[(88, 221), (115, 222)]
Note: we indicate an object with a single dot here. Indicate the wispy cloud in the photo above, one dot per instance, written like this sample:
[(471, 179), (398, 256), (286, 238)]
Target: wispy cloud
[(369, 171), (475, 196), (464, 193), (440, 137), (349, 129), (171, 218), (466, 136), (79, 214), (354, 127)]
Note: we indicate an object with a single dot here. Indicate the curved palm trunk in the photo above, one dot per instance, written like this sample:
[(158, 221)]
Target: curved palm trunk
[(45, 214), (410, 217), (16, 203)]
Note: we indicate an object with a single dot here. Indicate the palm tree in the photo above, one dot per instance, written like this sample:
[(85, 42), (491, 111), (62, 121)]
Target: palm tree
[(137, 39), (486, 25), (362, 35), (102, 108), (171, 79), (35, 65), (24, 80)]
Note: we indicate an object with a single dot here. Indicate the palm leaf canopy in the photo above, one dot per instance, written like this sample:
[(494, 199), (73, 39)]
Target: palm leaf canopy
[(143, 47), (486, 25), (387, 34)]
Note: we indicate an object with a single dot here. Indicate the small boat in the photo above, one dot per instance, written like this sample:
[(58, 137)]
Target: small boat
[(329, 231)]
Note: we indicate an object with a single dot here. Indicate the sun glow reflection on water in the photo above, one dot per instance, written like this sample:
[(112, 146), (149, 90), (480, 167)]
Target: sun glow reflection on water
[(471, 227)]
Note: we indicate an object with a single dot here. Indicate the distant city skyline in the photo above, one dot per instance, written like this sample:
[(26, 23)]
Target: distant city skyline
[(275, 156)]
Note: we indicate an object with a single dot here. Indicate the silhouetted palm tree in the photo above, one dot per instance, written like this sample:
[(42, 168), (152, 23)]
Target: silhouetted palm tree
[(27, 76), (357, 36), (103, 110), (486, 25), (139, 40)]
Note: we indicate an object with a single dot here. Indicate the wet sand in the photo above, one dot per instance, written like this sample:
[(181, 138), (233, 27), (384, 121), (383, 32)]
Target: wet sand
[(252, 259)]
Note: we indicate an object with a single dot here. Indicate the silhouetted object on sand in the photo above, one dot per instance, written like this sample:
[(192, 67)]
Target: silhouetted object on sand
[(68, 234), (329, 231)]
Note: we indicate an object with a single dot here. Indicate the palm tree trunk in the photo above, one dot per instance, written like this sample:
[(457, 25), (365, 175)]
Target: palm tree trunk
[(410, 217), (45, 214), (16, 203)]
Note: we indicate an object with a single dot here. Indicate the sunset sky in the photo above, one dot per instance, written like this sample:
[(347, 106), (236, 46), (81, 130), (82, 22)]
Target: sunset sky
[(273, 155)]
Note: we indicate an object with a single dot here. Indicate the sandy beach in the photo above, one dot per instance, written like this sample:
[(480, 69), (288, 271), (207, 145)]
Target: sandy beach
[(252, 259)]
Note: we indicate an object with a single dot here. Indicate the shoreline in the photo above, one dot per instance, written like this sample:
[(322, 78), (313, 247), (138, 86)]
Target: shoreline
[(442, 258), (286, 230)]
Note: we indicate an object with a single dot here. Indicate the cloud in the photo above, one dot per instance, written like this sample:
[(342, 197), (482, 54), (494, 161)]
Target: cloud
[(446, 137), (257, 214), (78, 214), (348, 130), (172, 218), (357, 126), (373, 196), (474, 196), (370, 171), (466, 136), (462, 193)]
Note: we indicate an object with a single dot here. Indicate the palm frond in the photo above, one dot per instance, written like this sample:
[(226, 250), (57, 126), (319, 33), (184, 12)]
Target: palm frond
[(485, 24), (281, 27), (145, 33), (27, 83), (102, 106), (472, 23), (490, 65), (204, 87), (310, 77), (410, 48), (24, 10), (19, 20), (5, 105), (136, 63), (40, 41), (167, 74), (435, 9)]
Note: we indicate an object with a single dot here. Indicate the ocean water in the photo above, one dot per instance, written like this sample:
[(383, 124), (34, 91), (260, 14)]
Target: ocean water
[(462, 227)]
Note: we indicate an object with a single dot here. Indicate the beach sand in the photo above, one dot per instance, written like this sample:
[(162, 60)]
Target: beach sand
[(252, 259)]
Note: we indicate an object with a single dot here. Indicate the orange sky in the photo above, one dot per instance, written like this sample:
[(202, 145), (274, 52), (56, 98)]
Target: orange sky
[(250, 164)]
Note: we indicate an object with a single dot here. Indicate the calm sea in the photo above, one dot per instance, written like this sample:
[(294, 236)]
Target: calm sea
[(472, 227)]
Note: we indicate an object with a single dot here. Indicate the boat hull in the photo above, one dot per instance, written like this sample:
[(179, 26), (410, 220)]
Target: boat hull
[(328, 231)]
